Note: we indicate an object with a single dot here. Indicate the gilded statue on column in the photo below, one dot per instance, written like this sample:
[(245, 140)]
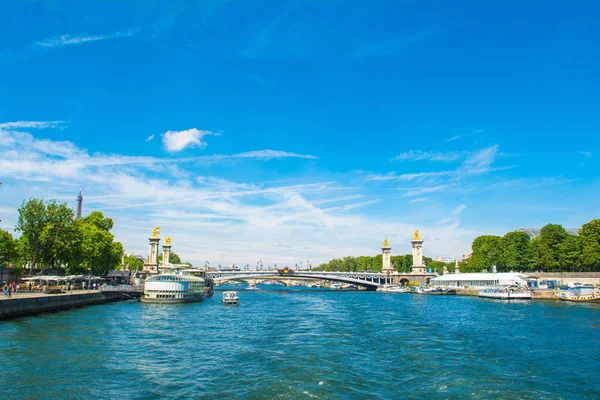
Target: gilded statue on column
[(168, 240), (416, 235), (156, 231), (386, 243)]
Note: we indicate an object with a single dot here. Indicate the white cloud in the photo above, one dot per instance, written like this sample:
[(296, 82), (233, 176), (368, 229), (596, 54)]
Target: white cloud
[(406, 177), (480, 161), (453, 138), (175, 141), (418, 155), (215, 217), (270, 154), (419, 200), (66, 40), (423, 190), (31, 124), (587, 153), (149, 138), (453, 217)]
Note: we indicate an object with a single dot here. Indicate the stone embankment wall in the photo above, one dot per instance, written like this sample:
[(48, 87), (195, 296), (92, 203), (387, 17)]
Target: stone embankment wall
[(16, 307), (568, 277)]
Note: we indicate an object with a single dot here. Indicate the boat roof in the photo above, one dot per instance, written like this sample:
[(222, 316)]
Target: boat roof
[(480, 276), (174, 278), (229, 292)]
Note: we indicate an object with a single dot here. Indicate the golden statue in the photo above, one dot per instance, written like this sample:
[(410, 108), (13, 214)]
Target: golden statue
[(386, 243), (155, 231), (168, 240), (416, 235)]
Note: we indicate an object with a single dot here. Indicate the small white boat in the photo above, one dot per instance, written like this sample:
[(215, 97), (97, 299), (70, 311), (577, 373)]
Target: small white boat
[(335, 286), (505, 293), (231, 299), (252, 286), (393, 289)]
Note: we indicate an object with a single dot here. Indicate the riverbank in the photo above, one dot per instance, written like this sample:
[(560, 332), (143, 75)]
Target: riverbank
[(26, 303)]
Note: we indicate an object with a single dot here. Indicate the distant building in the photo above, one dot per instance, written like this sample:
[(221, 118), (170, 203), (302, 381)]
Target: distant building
[(445, 259), (79, 205), (480, 280), (466, 257), (535, 232)]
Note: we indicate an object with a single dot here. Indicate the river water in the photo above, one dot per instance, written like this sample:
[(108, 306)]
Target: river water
[(307, 344)]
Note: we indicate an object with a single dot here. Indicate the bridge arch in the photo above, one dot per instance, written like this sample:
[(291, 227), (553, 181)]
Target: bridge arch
[(369, 285)]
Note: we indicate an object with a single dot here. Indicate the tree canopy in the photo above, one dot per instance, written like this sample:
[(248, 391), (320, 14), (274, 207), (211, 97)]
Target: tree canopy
[(553, 250), (51, 237)]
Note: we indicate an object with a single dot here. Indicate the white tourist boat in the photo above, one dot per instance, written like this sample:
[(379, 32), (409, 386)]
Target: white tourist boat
[(252, 286), (173, 288), (506, 293), (335, 286), (231, 298), (393, 289)]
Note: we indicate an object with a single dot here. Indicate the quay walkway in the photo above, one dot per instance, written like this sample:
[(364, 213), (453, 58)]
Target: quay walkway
[(29, 303)]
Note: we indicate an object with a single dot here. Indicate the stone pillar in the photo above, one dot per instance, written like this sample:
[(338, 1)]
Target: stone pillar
[(153, 254), (418, 266), (387, 262), (456, 269), (166, 253)]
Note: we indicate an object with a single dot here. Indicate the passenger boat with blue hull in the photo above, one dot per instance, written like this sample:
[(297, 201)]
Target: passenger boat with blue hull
[(173, 288), (579, 293)]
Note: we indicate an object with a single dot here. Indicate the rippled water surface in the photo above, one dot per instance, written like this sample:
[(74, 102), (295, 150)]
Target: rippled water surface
[(307, 344)]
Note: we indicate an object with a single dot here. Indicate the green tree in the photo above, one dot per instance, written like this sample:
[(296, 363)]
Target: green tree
[(487, 251), (56, 234), (93, 246), (133, 262), (515, 251), (590, 245), (569, 254), (31, 223), (98, 219), (551, 236), (7, 248)]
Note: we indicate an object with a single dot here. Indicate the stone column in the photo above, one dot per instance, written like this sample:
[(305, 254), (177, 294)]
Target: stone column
[(153, 254), (418, 266), (456, 269), (166, 253), (387, 262)]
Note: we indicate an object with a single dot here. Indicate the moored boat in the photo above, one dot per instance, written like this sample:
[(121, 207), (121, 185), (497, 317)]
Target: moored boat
[(231, 298), (505, 293), (252, 286), (393, 289), (173, 288), (579, 293)]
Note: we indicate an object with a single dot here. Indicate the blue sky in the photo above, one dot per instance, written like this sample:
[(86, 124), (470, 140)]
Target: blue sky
[(303, 130)]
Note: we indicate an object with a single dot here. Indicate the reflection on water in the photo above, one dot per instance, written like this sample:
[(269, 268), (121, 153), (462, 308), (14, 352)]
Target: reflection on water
[(299, 344)]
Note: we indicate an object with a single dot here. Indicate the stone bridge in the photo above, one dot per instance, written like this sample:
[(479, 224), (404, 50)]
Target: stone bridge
[(369, 280)]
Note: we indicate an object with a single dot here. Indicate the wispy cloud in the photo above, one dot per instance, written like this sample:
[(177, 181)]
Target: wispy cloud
[(67, 40), (423, 190), (480, 161), (271, 154), (463, 136), (31, 124), (175, 141), (588, 154), (406, 177), (453, 217), (418, 155), (149, 138), (419, 200)]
